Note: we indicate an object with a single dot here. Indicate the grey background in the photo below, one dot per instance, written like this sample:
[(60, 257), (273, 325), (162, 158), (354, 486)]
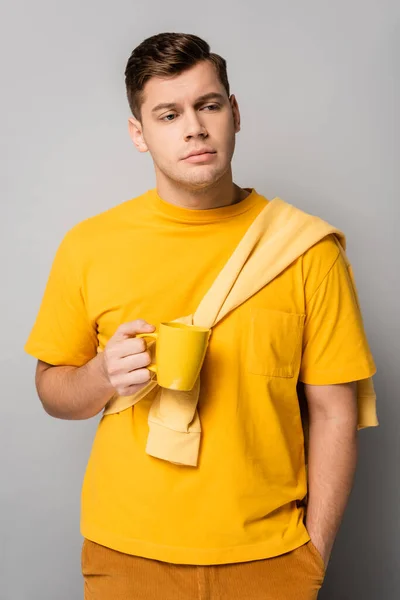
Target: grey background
[(318, 86)]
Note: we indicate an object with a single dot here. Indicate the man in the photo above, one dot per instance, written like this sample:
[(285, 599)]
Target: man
[(234, 526)]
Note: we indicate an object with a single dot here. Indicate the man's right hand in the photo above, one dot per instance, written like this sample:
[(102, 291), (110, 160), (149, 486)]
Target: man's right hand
[(125, 358)]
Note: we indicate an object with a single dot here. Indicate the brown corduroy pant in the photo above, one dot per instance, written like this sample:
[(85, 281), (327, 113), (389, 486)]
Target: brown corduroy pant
[(112, 575)]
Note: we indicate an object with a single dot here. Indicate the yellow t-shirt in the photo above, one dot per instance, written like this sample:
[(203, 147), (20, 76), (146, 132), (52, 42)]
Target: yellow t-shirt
[(149, 259)]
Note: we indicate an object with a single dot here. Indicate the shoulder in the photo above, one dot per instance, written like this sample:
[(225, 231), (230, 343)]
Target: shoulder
[(91, 233), (320, 257), (323, 254), (318, 261), (118, 215)]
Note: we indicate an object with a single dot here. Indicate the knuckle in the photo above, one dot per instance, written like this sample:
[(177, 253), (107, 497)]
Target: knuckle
[(140, 345), (139, 323), (112, 369), (146, 358), (109, 350), (115, 382), (124, 392), (142, 376)]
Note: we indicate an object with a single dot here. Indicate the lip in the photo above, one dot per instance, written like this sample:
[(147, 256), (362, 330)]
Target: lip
[(201, 152), (200, 158)]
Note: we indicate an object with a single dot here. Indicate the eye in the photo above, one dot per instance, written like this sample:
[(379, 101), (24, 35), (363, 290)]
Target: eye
[(168, 118), (211, 107)]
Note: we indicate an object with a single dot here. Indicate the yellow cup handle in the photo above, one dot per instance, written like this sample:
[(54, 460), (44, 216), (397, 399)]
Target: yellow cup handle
[(152, 367)]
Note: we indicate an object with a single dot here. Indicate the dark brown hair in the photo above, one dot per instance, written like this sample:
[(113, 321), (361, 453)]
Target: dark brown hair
[(163, 55)]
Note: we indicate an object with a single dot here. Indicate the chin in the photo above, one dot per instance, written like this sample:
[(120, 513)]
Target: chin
[(202, 183), (202, 180), (197, 178)]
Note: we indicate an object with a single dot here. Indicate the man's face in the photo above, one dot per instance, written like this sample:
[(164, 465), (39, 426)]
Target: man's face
[(188, 113)]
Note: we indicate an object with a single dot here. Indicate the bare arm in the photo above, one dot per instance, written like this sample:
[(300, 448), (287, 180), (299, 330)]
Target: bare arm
[(76, 393), (332, 460)]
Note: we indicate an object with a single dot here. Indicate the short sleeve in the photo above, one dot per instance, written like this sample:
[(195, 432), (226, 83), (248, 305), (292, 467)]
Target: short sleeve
[(63, 333), (335, 346)]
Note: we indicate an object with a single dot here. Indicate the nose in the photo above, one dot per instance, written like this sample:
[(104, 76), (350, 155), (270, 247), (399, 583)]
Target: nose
[(194, 127)]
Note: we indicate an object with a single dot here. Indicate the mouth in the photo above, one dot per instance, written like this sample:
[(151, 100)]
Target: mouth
[(200, 156)]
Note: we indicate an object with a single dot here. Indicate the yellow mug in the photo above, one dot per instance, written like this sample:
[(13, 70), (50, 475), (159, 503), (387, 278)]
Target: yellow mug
[(179, 356)]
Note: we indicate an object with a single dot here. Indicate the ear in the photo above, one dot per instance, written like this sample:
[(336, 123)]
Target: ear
[(136, 132), (235, 112)]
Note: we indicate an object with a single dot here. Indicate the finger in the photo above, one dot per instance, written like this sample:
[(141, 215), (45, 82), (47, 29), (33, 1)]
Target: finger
[(133, 379), (132, 328), (133, 389), (128, 347), (128, 364)]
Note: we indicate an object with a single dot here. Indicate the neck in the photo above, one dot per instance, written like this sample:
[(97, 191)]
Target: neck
[(222, 193)]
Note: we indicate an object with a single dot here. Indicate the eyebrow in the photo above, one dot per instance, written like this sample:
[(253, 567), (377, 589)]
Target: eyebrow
[(199, 101)]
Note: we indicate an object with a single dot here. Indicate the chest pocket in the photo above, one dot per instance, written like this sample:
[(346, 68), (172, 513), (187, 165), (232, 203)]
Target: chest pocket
[(274, 342)]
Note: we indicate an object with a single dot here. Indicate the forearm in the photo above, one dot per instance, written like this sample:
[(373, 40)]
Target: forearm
[(331, 462), (75, 392)]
